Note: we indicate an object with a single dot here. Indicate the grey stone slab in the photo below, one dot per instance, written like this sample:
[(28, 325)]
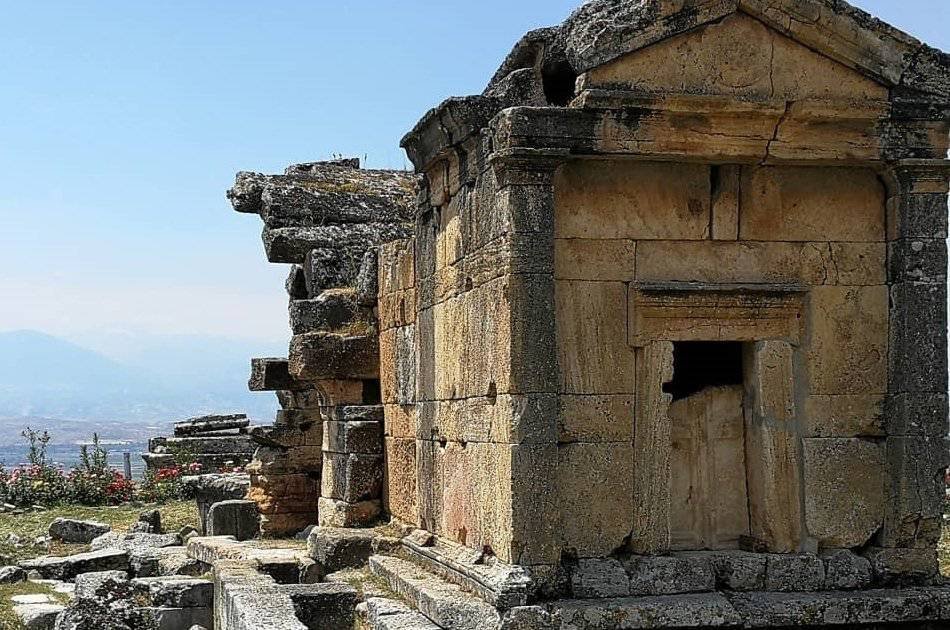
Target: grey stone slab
[(38, 616), (331, 310), (12, 575), (669, 575), (134, 540), (68, 567), (706, 610), (924, 413), (599, 577), (917, 260), (335, 548), (72, 530), (202, 424), (391, 614), (91, 585), (234, 517), (736, 570), (353, 437), (269, 374), (167, 618), (915, 490), (845, 570)]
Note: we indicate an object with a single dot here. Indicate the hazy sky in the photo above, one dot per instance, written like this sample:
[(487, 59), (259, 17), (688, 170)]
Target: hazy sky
[(122, 124)]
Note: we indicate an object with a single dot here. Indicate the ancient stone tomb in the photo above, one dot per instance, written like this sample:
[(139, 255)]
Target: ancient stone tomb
[(675, 282)]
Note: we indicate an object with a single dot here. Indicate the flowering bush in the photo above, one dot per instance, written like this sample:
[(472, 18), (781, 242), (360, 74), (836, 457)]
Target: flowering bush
[(90, 483)]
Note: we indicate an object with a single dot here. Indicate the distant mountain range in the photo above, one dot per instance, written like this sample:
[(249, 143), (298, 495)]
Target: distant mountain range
[(127, 378)]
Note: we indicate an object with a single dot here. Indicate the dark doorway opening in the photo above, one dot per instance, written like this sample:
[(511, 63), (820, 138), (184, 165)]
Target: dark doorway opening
[(701, 364)]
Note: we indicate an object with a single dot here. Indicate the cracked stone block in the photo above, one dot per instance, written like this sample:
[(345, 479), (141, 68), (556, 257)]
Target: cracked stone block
[(794, 572), (845, 570), (669, 575), (595, 578)]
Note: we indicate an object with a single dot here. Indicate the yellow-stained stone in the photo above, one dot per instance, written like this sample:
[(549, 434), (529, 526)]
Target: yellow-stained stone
[(593, 354), (844, 415), (594, 259), (738, 56), (595, 418), (399, 485), (597, 199), (811, 204), (596, 505), (847, 351), (844, 490)]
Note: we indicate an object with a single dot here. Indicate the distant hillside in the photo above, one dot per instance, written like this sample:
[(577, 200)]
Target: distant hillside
[(145, 379)]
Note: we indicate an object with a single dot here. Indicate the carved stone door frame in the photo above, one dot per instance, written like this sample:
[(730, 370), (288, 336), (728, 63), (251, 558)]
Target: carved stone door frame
[(769, 320)]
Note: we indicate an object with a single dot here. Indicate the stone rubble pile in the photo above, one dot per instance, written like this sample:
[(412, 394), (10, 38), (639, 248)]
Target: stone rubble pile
[(322, 459), (214, 441)]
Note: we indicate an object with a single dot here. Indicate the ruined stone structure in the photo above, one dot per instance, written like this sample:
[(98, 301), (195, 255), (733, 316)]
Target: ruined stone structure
[(322, 459), (214, 441), (667, 317)]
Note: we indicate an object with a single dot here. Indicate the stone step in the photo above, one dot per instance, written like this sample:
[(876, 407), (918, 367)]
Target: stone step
[(443, 603), (505, 586), (881, 608), (392, 614)]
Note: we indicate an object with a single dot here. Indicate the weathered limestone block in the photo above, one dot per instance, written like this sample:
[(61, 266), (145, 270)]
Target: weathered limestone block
[(704, 610), (594, 578), (351, 477), (283, 524), (902, 566), (670, 575), (270, 374), (652, 446), (68, 567), (858, 415), (330, 310), (345, 391), (849, 345), (399, 484), (75, 531), (917, 414), (794, 573), (844, 490), (327, 356), (335, 513), (396, 266), (203, 424), (918, 345), (353, 437), (792, 204), (401, 420), (289, 492), (593, 356), (845, 570), (397, 355), (595, 418), (920, 215), (335, 548), (594, 259), (235, 517), (209, 489), (735, 570), (772, 449), (299, 400), (596, 507), (738, 56), (632, 200), (504, 418), (914, 470)]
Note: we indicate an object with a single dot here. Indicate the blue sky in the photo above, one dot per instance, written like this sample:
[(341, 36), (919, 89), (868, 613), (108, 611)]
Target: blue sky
[(123, 123)]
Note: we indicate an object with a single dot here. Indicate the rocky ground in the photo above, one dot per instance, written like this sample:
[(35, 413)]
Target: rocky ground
[(26, 535)]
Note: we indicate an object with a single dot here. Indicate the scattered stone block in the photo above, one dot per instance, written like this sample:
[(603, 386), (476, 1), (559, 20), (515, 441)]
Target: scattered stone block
[(209, 489), (669, 575), (75, 531), (336, 548), (38, 616), (134, 541), (68, 567), (328, 606), (12, 575), (238, 518), (90, 585), (595, 578), (149, 522), (794, 573)]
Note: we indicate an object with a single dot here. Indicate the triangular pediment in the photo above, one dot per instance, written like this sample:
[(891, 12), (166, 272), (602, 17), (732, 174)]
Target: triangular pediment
[(604, 31), (736, 56)]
